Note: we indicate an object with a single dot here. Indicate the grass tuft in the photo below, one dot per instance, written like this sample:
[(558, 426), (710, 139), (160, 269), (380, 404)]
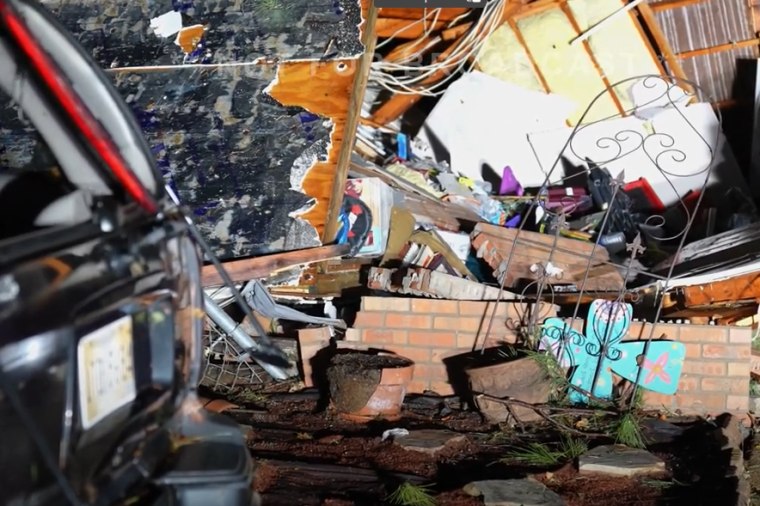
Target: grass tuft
[(628, 431), (541, 455), (573, 448), (408, 494), (536, 454)]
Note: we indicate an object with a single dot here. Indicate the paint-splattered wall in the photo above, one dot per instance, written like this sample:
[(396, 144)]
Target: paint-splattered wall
[(239, 100)]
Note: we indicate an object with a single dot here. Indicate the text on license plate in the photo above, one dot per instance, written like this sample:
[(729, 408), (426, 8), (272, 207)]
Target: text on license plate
[(106, 371)]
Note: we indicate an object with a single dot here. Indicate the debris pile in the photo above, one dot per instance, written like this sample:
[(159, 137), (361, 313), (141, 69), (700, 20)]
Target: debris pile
[(542, 204)]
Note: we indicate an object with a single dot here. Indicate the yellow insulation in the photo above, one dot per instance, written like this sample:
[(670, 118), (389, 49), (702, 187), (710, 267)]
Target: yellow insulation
[(568, 70), (617, 46), (503, 56)]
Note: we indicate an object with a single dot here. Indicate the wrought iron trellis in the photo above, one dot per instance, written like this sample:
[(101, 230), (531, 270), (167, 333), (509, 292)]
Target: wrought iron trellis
[(227, 364), (617, 143)]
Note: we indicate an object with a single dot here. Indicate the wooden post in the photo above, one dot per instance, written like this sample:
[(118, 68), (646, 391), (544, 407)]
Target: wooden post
[(369, 39)]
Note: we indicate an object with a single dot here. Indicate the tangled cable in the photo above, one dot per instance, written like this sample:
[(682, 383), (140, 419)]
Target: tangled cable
[(403, 78)]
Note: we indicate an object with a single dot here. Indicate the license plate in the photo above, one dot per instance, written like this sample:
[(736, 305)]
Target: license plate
[(106, 371)]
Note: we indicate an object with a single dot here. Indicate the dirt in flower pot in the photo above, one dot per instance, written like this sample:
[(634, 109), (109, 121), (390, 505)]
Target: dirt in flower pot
[(354, 377)]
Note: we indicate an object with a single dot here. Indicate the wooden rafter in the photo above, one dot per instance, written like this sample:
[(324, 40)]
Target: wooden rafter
[(729, 46), (673, 4)]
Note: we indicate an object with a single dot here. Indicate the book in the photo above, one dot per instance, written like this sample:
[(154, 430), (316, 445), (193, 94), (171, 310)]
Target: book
[(379, 198)]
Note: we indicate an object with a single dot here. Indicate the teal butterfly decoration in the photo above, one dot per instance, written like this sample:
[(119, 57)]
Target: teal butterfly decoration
[(601, 351)]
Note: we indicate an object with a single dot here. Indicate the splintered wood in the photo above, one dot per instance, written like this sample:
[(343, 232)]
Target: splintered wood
[(528, 249)]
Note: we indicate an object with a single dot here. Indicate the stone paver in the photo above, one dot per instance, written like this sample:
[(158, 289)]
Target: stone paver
[(429, 441), (620, 460), (513, 493)]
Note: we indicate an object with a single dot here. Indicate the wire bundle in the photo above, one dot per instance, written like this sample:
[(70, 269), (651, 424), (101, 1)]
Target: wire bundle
[(403, 78)]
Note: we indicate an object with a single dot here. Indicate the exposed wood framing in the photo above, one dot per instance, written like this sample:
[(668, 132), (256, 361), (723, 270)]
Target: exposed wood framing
[(649, 20), (704, 36), (403, 51), (398, 104), (587, 47), (513, 25)]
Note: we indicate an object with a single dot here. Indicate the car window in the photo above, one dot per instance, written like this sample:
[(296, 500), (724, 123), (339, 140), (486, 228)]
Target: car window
[(34, 191)]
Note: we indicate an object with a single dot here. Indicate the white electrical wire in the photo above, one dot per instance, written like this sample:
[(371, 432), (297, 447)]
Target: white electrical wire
[(401, 78)]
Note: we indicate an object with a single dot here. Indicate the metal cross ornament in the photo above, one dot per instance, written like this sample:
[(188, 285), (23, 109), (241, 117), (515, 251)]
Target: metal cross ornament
[(599, 352)]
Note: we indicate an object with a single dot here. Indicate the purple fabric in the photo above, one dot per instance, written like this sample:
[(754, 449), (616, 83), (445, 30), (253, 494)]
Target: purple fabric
[(509, 183)]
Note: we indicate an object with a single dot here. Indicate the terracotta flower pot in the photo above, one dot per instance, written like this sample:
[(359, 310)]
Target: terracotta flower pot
[(521, 379), (365, 387)]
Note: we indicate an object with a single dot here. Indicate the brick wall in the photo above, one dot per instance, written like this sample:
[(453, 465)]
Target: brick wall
[(715, 375), (430, 330)]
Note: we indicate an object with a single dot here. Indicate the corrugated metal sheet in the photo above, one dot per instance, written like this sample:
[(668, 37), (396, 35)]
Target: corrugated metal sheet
[(716, 72), (703, 25)]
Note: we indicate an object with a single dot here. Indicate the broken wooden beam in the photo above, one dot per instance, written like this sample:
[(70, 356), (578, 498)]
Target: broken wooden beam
[(398, 104), (356, 98), (513, 254), (261, 267)]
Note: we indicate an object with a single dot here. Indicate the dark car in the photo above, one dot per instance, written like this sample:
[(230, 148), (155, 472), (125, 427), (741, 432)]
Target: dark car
[(100, 297)]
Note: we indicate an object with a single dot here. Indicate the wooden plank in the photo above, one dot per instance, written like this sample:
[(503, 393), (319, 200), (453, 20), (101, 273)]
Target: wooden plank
[(404, 29), (652, 51), (356, 99), (260, 267), (497, 244), (513, 25), (729, 46), (672, 4), (447, 14), (456, 31), (510, 235), (286, 481), (404, 51)]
